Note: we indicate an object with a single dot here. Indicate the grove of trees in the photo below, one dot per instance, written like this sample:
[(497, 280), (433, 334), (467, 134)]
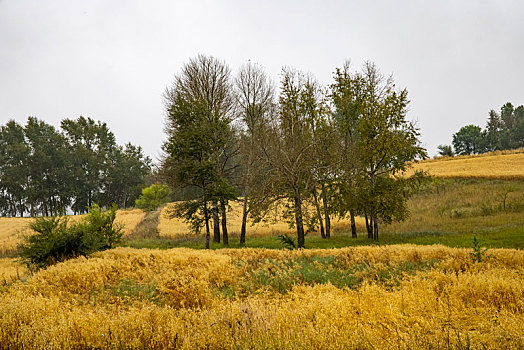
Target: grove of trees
[(45, 171), (504, 131), (308, 154)]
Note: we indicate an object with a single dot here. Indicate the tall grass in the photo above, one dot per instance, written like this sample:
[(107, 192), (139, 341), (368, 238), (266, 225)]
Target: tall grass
[(356, 298)]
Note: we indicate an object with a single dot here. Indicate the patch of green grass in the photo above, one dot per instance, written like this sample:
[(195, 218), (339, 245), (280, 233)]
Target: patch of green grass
[(282, 275), (125, 291), (511, 236)]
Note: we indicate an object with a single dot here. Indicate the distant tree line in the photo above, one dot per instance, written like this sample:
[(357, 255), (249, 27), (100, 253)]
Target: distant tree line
[(45, 171), (504, 131), (308, 155)]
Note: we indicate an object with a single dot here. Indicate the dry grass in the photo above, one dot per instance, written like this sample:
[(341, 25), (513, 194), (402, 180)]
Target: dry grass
[(130, 218), (464, 206), (11, 232), (173, 227), (397, 297), (496, 165), (11, 270)]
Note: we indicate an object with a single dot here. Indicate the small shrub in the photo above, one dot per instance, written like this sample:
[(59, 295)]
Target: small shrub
[(287, 242), (56, 241), (102, 225), (478, 254)]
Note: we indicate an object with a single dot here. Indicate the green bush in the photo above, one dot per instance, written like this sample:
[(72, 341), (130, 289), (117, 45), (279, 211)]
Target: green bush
[(153, 197), (56, 240)]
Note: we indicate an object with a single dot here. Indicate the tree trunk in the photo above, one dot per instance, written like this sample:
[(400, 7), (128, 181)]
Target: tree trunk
[(225, 238), (299, 221), (375, 229), (244, 221), (206, 219), (353, 225), (319, 214), (216, 224), (369, 225), (326, 211)]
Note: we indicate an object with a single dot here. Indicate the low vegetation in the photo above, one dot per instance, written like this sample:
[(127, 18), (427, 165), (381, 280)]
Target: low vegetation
[(12, 230), (56, 240), (364, 297)]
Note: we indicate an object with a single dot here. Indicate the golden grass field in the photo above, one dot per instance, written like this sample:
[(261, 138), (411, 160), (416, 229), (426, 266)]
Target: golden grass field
[(353, 298), (496, 165)]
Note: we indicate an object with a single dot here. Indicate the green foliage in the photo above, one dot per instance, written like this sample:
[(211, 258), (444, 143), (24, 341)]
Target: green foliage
[(478, 254), (153, 197), (504, 130), (102, 224), (445, 150), (469, 140), (56, 241), (378, 143), (14, 153), (287, 242), (45, 171)]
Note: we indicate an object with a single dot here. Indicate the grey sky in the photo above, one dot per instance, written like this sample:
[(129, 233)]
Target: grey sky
[(111, 60)]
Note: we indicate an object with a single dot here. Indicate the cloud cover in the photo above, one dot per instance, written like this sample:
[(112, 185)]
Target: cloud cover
[(111, 60)]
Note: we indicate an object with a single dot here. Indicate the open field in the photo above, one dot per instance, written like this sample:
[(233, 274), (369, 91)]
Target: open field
[(365, 297), (496, 165)]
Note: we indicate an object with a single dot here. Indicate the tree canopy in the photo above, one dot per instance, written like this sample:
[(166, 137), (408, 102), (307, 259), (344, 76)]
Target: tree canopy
[(309, 154), (45, 171), (504, 130)]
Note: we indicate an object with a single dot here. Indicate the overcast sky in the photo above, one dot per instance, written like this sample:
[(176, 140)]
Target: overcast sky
[(111, 60)]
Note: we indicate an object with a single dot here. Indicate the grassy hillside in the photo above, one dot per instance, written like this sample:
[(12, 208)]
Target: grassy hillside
[(365, 298), (495, 165)]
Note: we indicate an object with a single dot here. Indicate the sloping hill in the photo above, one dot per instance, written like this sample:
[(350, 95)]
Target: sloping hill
[(496, 165)]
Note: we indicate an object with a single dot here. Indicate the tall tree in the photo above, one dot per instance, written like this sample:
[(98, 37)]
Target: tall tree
[(255, 99), (48, 190), (494, 130), (92, 145), (126, 175), (348, 95), (386, 142), (199, 106), (14, 152), (285, 150)]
